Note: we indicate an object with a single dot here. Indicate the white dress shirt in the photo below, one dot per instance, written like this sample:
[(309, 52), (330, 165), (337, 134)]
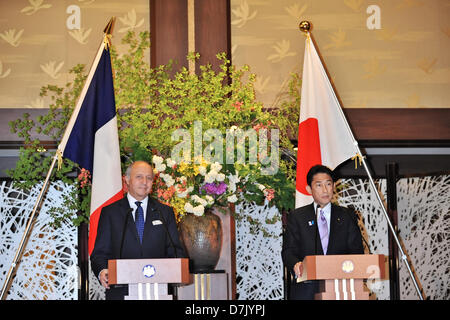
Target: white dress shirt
[(132, 200), (327, 213)]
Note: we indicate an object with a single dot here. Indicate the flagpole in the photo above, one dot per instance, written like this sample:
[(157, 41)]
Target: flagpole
[(305, 26), (57, 157), (28, 228)]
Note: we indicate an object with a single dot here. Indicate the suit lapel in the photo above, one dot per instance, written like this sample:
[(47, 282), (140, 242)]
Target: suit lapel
[(148, 219), (131, 225), (335, 221), (150, 215), (314, 230)]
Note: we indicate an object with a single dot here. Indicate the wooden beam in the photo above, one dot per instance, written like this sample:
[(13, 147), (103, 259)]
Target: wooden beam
[(168, 33), (371, 127), (399, 124), (212, 31)]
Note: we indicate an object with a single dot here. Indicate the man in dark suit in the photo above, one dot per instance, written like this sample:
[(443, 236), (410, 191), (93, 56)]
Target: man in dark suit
[(317, 229), (134, 227)]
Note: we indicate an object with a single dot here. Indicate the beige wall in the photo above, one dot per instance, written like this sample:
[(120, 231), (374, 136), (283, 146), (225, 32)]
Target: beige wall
[(403, 64), (391, 53), (40, 41)]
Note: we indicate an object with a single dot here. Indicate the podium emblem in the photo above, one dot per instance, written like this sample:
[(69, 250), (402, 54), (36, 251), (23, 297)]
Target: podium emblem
[(347, 266), (148, 271)]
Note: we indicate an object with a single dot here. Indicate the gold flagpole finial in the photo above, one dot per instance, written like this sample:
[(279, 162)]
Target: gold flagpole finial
[(108, 32), (110, 26), (305, 26)]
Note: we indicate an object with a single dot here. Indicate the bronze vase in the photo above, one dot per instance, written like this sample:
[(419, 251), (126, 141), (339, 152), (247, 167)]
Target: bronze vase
[(202, 237)]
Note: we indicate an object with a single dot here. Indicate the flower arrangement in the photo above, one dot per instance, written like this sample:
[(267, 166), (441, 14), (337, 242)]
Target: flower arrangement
[(193, 187), (152, 103)]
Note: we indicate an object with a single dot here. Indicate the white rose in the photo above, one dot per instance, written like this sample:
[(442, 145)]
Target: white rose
[(160, 167), (232, 198), (202, 170), (260, 186), (209, 199), (157, 160), (188, 207), (232, 187), (199, 200), (198, 210), (216, 166), (167, 179), (170, 162), (233, 178), (220, 177), (210, 177)]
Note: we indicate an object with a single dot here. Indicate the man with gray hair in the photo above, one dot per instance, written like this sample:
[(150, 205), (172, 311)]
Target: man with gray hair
[(134, 227)]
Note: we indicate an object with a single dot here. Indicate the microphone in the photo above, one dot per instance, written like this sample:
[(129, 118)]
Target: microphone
[(130, 210), (165, 227), (317, 227)]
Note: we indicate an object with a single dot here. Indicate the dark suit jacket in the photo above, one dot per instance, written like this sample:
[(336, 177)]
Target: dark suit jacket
[(155, 242), (302, 238)]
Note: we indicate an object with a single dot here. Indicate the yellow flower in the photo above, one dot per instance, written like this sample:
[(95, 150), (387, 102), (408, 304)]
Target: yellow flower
[(186, 169), (177, 205)]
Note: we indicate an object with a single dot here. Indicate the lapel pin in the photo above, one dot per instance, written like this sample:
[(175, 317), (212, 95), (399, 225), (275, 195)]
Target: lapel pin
[(311, 223)]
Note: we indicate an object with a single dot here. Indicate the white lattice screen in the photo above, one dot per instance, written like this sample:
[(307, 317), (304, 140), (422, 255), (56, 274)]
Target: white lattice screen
[(424, 224), (48, 269), (259, 266)]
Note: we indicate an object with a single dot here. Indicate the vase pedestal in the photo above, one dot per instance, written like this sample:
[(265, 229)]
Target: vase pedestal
[(206, 286), (220, 283)]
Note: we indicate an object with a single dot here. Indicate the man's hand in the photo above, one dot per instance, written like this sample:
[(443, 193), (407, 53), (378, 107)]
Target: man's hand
[(103, 276), (298, 269)]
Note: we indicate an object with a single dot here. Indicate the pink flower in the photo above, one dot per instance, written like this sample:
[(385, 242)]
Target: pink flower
[(237, 105), (258, 126), (84, 177), (269, 194)]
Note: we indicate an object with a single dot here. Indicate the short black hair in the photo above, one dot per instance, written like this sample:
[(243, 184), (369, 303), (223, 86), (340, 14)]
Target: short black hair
[(318, 169)]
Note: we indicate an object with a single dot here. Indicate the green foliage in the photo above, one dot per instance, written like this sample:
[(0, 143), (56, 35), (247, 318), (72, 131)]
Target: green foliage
[(34, 160), (151, 104)]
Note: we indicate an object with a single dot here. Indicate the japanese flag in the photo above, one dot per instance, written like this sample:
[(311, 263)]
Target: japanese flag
[(324, 136)]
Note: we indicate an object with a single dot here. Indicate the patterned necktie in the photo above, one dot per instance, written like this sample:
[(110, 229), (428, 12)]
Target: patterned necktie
[(323, 230), (139, 219)]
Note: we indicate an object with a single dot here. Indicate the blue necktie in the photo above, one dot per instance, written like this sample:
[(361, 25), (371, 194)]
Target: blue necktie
[(139, 219)]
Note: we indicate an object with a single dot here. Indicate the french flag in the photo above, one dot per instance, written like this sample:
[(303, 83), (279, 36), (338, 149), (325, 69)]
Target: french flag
[(324, 136), (91, 138)]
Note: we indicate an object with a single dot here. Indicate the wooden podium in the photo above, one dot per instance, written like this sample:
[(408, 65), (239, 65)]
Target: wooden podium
[(343, 275), (147, 279)]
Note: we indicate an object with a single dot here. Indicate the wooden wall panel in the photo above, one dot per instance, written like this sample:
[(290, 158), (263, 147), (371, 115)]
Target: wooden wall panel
[(212, 31), (168, 32), (383, 127)]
